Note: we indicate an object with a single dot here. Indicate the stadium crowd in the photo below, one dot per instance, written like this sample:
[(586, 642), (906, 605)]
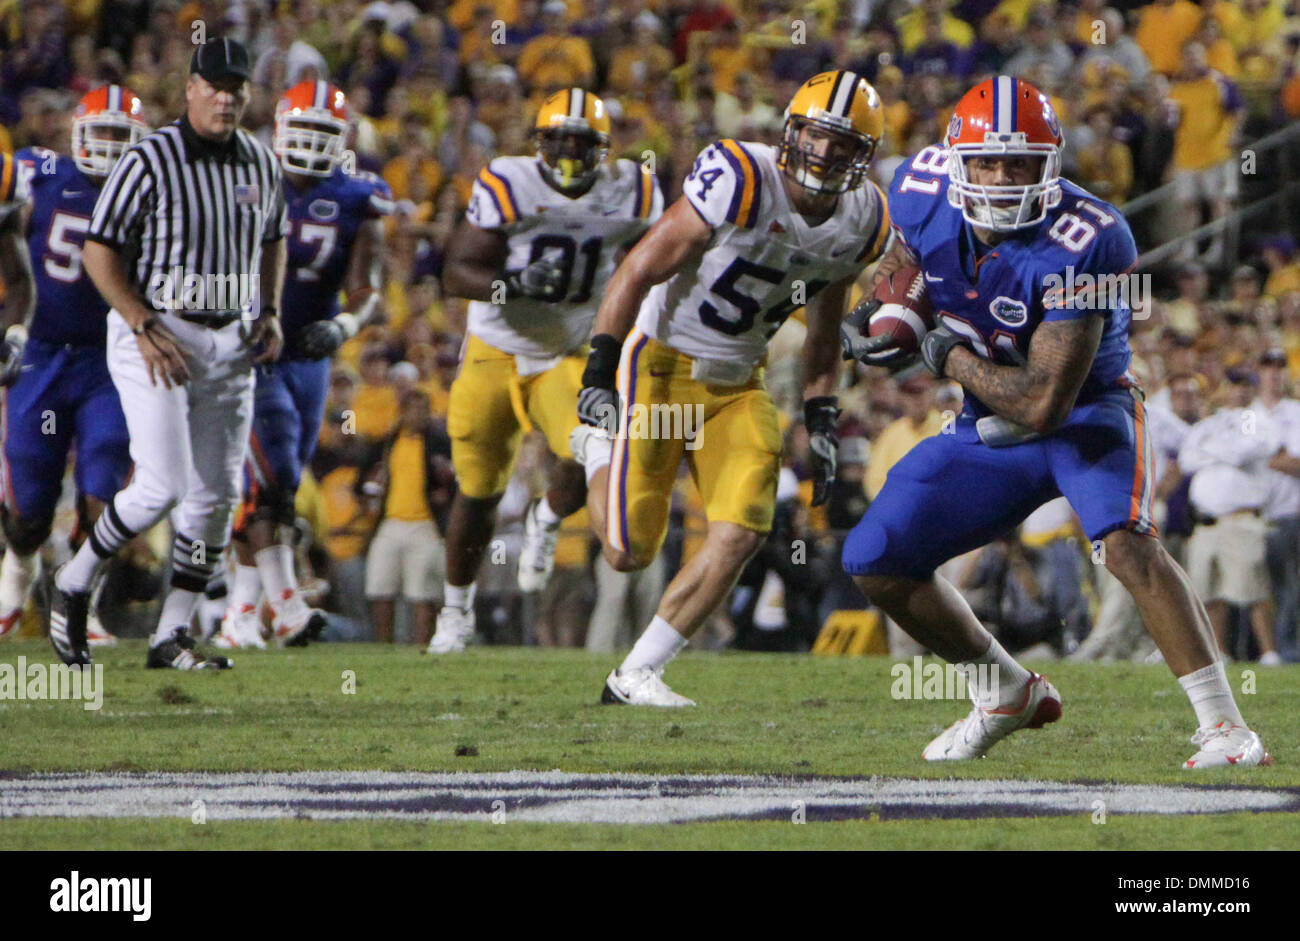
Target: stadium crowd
[(1149, 95)]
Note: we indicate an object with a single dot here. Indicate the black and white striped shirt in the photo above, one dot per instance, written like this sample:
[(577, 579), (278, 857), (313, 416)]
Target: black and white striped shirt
[(190, 216)]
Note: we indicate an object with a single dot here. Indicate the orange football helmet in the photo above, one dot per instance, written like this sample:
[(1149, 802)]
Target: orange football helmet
[(311, 127), (1004, 117), (106, 122)]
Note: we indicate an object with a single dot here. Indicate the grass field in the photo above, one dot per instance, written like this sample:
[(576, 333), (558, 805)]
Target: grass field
[(506, 709)]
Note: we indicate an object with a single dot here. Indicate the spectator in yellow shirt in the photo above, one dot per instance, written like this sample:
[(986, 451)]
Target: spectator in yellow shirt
[(643, 63), (1163, 28), (919, 421), (1283, 266), (1105, 165), (375, 403), (911, 26), (556, 60)]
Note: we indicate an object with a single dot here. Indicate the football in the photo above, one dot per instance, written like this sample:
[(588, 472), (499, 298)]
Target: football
[(904, 311)]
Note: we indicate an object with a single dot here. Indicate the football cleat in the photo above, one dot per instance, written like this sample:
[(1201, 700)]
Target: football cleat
[(241, 627), (455, 629), (974, 735), (97, 635), (10, 622), (293, 622), (1225, 745), (641, 687), (537, 558), (69, 611), (178, 652)]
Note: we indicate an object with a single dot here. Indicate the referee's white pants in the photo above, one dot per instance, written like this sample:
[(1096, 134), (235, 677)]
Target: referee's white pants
[(187, 442)]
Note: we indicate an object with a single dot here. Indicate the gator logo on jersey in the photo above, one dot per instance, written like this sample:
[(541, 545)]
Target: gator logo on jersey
[(323, 210), (1012, 313)]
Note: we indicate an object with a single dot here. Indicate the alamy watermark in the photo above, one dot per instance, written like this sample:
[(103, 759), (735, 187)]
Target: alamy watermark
[(921, 680), (44, 681), (660, 421), (1082, 290), (177, 289)]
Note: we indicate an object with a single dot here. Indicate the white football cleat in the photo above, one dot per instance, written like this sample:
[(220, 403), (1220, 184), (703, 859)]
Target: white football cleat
[(1225, 745), (97, 634), (537, 558), (455, 629), (641, 687), (10, 621), (294, 622), (589, 443), (241, 627), (974, 735)]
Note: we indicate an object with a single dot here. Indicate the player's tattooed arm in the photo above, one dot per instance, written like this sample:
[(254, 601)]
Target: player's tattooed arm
[(1041, 393), (679, 238), (364, 278), (475, 259), (896, 256)]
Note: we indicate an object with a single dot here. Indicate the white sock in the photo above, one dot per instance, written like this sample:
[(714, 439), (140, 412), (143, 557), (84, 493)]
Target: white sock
[(546, 516), (1001, 687), (275, 565), (659, 644), (247, 588), (77, 575), (1211, 696), (17, 574), (455, 596), (177, 611)]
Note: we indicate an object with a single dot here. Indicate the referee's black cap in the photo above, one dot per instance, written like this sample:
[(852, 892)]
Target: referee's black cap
[(218, 58)]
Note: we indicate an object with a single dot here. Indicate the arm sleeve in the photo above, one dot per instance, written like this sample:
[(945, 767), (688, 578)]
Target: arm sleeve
[(380, 203), (492, 202), (1108, 256), (725, 185), (119, 211)]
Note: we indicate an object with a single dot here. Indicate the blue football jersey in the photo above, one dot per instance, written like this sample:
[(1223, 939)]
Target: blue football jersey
[(68, 306), (996, 296), (324, 219)]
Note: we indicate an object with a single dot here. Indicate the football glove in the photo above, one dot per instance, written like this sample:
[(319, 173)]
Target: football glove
[(320, 339), (598, 400), (820, 415), (936, 345), (541, 280), (869, 350), (11, 354)]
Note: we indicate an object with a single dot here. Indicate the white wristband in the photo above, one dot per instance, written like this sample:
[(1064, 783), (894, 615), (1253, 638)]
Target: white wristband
[(349, 323), (17, 333)]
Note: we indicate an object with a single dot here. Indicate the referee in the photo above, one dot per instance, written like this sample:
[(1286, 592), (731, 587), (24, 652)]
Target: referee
[(186, 243)]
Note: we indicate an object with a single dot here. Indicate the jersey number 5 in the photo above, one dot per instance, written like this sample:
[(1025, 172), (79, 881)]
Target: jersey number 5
[(63, 260)]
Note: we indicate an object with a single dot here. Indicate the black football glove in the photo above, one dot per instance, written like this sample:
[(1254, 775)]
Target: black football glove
[(11, 361), (820, 415), (869, 350), (598, 400), (936, 345), (541, 280), (319, 340)]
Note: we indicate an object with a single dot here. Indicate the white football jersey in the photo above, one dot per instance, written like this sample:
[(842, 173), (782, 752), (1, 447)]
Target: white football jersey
[(585, 233), (764, 261)]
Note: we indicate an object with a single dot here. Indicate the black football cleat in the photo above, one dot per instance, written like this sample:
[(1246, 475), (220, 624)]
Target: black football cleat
[(179, 652), (68, 613)]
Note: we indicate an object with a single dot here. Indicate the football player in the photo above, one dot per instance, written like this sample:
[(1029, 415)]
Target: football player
[(535, 253), (1051, 409), (682, 333), (62, 391), (335, 241)]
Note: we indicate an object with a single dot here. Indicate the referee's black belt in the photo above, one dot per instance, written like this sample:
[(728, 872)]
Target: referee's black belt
[(1201, 519), (214, 320)]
